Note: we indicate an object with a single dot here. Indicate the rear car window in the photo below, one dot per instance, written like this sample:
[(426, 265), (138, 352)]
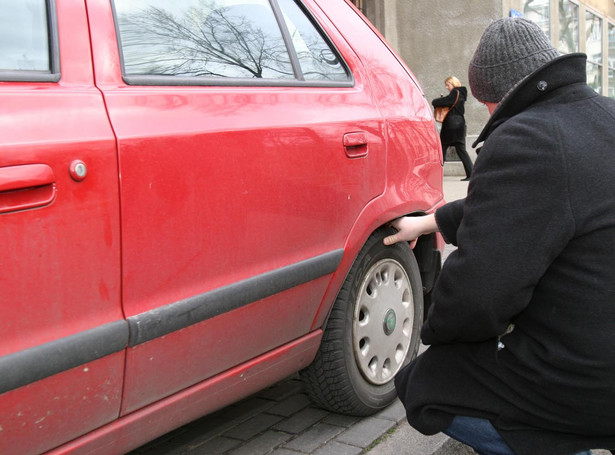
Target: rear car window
[(316, 58), (28, 41), (209, 41)]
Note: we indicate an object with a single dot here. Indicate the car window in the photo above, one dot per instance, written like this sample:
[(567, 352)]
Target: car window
[(221, 39), (318, 61), (27, 48), (202, 38)]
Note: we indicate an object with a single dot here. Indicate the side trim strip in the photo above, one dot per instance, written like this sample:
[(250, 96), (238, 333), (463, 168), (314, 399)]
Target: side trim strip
[(39, 362), (31, 365), (178, 315)]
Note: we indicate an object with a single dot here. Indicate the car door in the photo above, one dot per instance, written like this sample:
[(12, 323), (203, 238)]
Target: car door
[(242, 176), (63, 333)]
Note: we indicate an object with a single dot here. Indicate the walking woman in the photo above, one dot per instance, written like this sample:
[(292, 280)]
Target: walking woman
[(453, 131)]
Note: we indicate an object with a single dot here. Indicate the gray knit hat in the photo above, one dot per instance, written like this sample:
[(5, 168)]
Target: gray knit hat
[(509, 50)]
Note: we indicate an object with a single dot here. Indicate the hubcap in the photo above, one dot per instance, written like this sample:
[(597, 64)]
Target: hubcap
[(383, 320)]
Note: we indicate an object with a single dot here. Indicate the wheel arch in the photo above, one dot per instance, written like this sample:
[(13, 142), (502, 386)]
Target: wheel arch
[(428, 254)]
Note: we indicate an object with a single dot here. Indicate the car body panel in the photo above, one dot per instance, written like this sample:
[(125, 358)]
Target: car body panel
[(184, 357), (224, 183), (61, 253), (187, 405), (47, 413), (197, 258), (413, 153)]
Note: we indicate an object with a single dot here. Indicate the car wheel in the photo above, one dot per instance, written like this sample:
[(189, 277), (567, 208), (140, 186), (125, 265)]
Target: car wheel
[(373, 330)]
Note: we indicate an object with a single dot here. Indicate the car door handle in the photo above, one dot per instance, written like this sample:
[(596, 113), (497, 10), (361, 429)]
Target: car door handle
[(355, 144), (26, 186)]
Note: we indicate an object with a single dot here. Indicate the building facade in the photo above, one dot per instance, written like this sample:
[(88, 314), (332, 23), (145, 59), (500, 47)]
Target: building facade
[(437, 38)]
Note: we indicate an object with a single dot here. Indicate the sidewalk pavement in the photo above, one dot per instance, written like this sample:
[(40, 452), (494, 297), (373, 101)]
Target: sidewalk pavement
[(454, 187), (281, 421)]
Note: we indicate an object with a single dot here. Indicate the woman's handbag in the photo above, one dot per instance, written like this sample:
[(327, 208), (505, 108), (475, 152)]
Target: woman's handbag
[(440, 112)]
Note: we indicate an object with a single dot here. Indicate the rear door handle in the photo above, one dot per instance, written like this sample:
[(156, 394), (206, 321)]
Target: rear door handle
[(26, 186), (355, 144)]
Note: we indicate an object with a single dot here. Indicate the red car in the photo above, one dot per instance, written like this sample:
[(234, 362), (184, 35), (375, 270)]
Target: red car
[(193, 196)]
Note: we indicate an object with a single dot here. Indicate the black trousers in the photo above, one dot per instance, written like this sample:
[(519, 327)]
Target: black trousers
[(462, 153)]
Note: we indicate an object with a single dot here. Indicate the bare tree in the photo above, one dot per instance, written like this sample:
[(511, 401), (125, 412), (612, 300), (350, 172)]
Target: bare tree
[(206, 40)]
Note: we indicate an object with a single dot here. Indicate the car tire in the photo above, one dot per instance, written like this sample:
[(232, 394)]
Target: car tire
[(373, 330)]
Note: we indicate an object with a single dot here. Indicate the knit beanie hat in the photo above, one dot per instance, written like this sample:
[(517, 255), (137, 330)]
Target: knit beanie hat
[(509, 50)]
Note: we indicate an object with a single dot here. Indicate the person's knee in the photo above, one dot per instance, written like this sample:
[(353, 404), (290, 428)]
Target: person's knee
[(479, 434)]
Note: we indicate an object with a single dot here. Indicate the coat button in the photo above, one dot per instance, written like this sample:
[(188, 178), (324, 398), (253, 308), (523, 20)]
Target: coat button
[(542, 86)]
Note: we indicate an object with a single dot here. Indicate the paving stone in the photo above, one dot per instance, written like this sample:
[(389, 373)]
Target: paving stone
[(203, 430), (222, 421), (452, 447), (290, 405), (300, 421), (406, 440), (316, 436), (247, 408), (262, 444), (282, 390), (394, 411), (341, 420), (165, 447), (250, 428), (165, 444), (215, 446), (285, 452), (337, 448), (365, 432)]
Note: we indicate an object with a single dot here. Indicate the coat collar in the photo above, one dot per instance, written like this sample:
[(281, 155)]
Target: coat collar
[(559, 72)]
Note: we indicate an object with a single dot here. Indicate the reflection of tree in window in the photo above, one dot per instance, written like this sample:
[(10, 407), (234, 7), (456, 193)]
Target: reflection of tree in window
[(241, 41), (317, 59)]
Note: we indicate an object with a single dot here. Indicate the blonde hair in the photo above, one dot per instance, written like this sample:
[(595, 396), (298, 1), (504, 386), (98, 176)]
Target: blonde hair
[(453, 80)]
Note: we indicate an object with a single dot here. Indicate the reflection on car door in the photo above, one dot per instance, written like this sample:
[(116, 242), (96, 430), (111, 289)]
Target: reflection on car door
[(238, 191)]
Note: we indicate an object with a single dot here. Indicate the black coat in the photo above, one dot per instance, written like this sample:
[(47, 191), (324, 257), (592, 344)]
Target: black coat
[(536, 238), (454, 126)]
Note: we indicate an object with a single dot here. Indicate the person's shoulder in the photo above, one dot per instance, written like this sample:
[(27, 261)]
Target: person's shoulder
[(606, 102), (525, 124), (527, 133), (463, 91)]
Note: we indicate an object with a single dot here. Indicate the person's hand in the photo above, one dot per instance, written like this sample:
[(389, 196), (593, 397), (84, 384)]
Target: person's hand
[(410, 228)]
